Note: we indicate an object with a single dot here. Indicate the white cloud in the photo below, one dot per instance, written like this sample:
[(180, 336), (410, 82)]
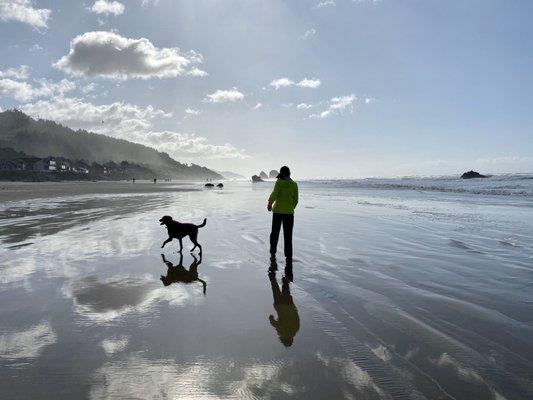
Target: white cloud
[(224, 96), (303, 106), (130, 122), (312, 83), (336, 105), (258, 106), (281, 82), (24, 91), (370, 100), (24, 11), (192, 111), (21, 72), (90, 87), (109, 55), (148, 2), (36, 47), (112, 119), (308, 33), (107, 7), (189, 145), (325, 3)]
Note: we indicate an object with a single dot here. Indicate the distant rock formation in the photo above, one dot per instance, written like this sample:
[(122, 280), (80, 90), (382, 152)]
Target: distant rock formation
[(209, 185), (256, 178), (220, 185), (273, 174), (472, 174), (263, 175)]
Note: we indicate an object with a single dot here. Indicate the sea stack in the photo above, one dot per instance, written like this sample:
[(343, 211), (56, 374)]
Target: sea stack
[(256, 178), (472, 174), (263, 175), (273, 174)]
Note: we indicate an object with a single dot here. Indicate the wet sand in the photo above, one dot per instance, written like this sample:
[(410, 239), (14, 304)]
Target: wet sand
[(395, 295)]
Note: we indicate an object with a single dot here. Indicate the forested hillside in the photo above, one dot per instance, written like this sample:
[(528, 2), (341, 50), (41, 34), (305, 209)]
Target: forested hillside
[(42, 138)]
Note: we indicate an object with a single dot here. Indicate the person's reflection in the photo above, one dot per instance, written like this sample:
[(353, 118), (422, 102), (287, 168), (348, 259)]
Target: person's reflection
[(288, 322), (178, 273)]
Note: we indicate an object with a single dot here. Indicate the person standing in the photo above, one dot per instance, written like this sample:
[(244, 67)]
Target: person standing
[(282, 203)]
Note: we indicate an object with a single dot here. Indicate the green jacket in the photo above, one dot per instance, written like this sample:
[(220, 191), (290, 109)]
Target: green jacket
[(284, 196)]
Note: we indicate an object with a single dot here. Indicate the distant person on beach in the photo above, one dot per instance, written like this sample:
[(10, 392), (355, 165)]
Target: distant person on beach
[(155, 180), (282, 203)]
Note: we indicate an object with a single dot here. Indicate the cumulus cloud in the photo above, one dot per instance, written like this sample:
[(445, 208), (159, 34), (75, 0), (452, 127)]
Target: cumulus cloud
[(189, 145), (224, 96), (109, 55), (279, 83), (309, 83), (192, 111), (370, 100), (106, 7), (149, 2), (112, 119), (303, 106), (22, 72), (336, 105), (325, 3), (25, 12), (308, 33), (130, 122), (24, 91)]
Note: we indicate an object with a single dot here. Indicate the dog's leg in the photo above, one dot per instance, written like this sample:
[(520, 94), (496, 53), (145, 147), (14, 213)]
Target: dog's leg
[(166, 241), (196, 244), (193, 237)]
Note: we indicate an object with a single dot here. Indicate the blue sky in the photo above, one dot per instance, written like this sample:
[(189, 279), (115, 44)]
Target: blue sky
[(332, 88)]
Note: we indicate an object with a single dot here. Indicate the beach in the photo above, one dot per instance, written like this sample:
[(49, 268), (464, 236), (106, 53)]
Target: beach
[(401, 289)]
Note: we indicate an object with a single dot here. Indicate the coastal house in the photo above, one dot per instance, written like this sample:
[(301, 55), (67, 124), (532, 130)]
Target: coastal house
[(47, 164), (81, 167), (29, 163), (63, 164), (12, 165)]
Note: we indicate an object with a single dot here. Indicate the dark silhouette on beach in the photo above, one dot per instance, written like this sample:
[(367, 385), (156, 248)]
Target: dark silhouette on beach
[(178, 230), (282, 202), (178, 273), (288, 322)]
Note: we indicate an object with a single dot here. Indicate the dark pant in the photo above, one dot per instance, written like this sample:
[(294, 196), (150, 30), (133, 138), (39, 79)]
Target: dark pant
[(288, 222)]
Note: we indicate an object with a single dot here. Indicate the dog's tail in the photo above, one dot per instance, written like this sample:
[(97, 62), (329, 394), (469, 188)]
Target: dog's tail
[(203, 223)]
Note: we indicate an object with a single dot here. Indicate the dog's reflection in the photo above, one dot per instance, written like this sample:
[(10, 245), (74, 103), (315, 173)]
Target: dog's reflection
[(178, 273), (288, 322)]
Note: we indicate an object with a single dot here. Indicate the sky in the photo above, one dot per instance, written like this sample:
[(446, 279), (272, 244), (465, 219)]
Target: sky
[(331, 88)]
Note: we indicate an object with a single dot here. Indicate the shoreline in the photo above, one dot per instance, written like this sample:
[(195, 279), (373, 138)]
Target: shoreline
[(19, 191)]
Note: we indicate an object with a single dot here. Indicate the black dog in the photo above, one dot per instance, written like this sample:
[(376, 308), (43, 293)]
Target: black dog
[(178, 273), (177, 230)]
